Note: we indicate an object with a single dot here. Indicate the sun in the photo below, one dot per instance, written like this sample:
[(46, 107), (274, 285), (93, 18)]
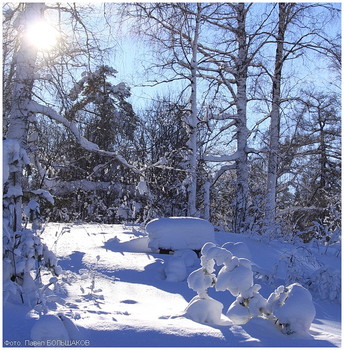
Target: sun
[(42, 35)]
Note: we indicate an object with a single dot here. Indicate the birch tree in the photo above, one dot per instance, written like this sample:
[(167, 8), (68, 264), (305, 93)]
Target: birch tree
[(231, 61), (20, 110), (270, 207), (288, 47), (23, 250), (177, 27)]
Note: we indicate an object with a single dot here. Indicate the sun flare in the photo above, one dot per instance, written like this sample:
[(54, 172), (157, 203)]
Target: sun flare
[(42, 35)]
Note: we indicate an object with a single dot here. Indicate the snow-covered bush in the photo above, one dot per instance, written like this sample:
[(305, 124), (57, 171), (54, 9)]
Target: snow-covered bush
[(248, 304), (325, 283), (51, 327), (239, 249), (175, 233), (175, 268), (203, 308), (301, 265), (292, 307), (236, 276)]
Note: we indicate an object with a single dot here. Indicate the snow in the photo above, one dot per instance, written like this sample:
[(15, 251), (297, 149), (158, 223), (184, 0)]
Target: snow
[(12, 153), (31, 206), (236, 280), (114, 292), (142, 187), (189, 256), (204, 310), (45, 194), (49, 327), (238, 313), (179, 233), (200, 281), (238, 249), (293, 307), (175, 269)]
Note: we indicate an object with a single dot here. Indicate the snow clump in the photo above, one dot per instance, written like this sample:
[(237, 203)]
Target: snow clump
[(239, 249), (188, 255), (205, 310), (293, 308), (176, 266), (247, 305), (179, 233), (235, 276), (142, 187)]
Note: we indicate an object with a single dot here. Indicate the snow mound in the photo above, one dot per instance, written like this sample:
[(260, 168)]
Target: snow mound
[(175, 269), (293, 308), (204, 310), (179, 233), (49, 327), (238, 313), (72, 329)]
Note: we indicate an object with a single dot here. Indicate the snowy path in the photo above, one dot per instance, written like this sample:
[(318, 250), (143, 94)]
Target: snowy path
[(115, 290)]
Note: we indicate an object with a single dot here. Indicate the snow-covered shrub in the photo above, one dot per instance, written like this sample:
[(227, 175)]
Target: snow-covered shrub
[(238, 313), (236, 276), (25, 256), (23, 267), (248, 304), (203, 308), (239, 249), (179, 233), (292, 307), (200, 280), (301, 265), (325, 283)]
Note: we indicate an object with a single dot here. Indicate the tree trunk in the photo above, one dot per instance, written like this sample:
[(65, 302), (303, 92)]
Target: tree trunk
[(193, 124), (206, 214), (24, 78), (242, 131), (270, 206)]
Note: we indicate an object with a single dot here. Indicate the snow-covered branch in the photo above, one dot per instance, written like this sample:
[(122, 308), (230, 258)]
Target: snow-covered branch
[(84, 143), (222, 158)]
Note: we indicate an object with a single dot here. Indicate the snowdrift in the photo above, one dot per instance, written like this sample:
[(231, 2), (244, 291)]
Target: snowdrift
[(114, 292)]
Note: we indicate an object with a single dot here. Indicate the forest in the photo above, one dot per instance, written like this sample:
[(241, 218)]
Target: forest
[(246, 131), (118, 113)]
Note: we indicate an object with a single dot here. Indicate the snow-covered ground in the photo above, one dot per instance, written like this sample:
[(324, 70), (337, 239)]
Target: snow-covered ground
[(115, 290)]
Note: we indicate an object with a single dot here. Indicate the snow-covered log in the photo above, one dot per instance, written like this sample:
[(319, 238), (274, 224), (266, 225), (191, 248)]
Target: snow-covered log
[(175, 233)]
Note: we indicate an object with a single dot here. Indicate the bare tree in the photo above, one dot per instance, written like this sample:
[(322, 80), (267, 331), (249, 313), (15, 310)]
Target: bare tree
[(177, 29), (309, 37)]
